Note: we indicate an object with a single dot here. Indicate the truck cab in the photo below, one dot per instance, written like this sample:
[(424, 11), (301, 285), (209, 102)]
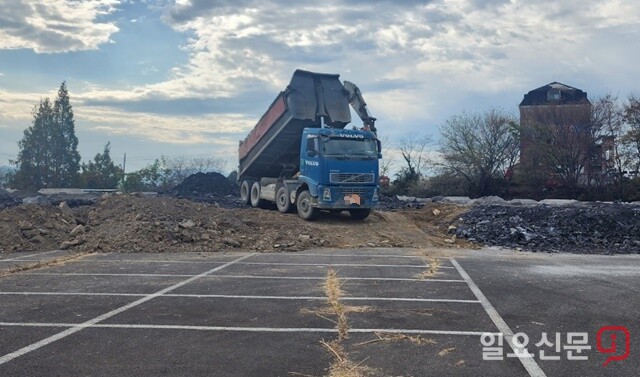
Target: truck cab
[(339, 167)]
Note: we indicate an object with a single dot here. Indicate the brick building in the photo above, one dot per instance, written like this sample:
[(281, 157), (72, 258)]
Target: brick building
[(556, 136), (557, 106)]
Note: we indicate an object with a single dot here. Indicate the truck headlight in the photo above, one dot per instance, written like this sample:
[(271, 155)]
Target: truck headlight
[(326, 194), (375, 194)]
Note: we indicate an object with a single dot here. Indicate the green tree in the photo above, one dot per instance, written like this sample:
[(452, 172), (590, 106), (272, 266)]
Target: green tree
[(34, 158), (101, 172), (48, 155), (65, 142)]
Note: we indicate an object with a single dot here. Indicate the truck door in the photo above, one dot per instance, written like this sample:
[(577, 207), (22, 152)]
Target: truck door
[(310, 164)]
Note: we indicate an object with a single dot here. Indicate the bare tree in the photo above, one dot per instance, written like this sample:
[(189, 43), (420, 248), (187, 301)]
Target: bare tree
[(558, 143), (388, 162), (608, 126), (631, 138), (480, 147), (413, 151)]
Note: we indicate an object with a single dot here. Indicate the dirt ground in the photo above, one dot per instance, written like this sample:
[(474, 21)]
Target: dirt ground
[(129, 223)]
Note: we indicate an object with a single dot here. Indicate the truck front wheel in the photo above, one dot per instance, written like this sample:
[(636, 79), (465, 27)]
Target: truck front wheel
[(282, 200), (360, 213), (305, 210)]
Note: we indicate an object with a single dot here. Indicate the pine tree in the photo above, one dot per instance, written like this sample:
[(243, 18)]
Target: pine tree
[(101, 172), (65, 142), (48, 155), (34, 158)]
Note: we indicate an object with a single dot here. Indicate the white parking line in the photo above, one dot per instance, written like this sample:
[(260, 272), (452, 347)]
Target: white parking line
[(154, 261), (105, 274), (255, 297), (341, 278), (98, 258), (529, 363), (242, 277), (78, 327), (342, 265), (345, 255), (245, 329)]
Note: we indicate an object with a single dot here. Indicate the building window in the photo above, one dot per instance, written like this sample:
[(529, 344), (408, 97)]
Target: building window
[(553, 94)]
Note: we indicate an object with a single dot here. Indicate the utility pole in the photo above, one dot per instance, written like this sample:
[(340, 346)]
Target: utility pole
[(124, 172)]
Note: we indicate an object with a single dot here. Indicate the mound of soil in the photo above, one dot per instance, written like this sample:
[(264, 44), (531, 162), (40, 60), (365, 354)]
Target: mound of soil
[(36, 227), (126, 223), (206, 183)]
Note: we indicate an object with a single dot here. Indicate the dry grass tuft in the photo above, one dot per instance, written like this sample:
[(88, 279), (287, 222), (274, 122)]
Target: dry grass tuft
[(325, 312), (343, 367), (396, 337), (446, 351), (434, 267), (334, 294)]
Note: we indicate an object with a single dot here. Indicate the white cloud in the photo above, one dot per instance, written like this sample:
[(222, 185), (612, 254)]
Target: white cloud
[(416, 62), (56, 25)]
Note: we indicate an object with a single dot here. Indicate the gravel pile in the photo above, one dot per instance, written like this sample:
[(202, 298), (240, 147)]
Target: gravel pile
[(610, 228)]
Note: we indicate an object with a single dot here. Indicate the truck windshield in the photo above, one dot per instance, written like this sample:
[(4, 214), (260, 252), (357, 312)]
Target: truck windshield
[(350, 148)]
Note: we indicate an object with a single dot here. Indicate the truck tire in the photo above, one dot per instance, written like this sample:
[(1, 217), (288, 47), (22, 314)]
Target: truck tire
[(360, 213), (245, 192), (305, 210), (256, 202), (282, 200)]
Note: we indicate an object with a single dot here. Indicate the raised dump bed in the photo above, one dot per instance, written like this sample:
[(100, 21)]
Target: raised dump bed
[(273, 145)]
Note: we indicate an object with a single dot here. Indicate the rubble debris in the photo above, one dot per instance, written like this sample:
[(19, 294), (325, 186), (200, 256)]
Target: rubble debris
[(34, 227), (128, 223), (606, 228)]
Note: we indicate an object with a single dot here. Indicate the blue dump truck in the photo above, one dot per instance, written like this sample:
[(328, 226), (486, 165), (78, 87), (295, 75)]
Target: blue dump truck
[(300, 155)]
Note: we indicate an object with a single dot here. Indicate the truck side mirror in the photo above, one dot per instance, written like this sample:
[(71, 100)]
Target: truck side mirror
[(379, 148)]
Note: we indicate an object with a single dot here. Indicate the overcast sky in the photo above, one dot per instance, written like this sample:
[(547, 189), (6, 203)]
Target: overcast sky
[(191, 77)]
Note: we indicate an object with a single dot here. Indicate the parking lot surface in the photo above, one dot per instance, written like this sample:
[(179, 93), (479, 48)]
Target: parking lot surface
[(409, 312)]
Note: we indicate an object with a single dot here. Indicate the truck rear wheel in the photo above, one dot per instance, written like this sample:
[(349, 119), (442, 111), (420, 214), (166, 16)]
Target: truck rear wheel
[(245, 192), (305, 210), (256, 201), (360, 213), (282, 200)]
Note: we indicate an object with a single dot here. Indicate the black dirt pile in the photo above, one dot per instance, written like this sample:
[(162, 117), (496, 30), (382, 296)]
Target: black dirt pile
[(210, 188), (392, 203), (585, 228), (6, 200)]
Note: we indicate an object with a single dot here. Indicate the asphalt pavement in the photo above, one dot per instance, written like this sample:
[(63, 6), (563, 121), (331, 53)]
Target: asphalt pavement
[(410, 312)]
